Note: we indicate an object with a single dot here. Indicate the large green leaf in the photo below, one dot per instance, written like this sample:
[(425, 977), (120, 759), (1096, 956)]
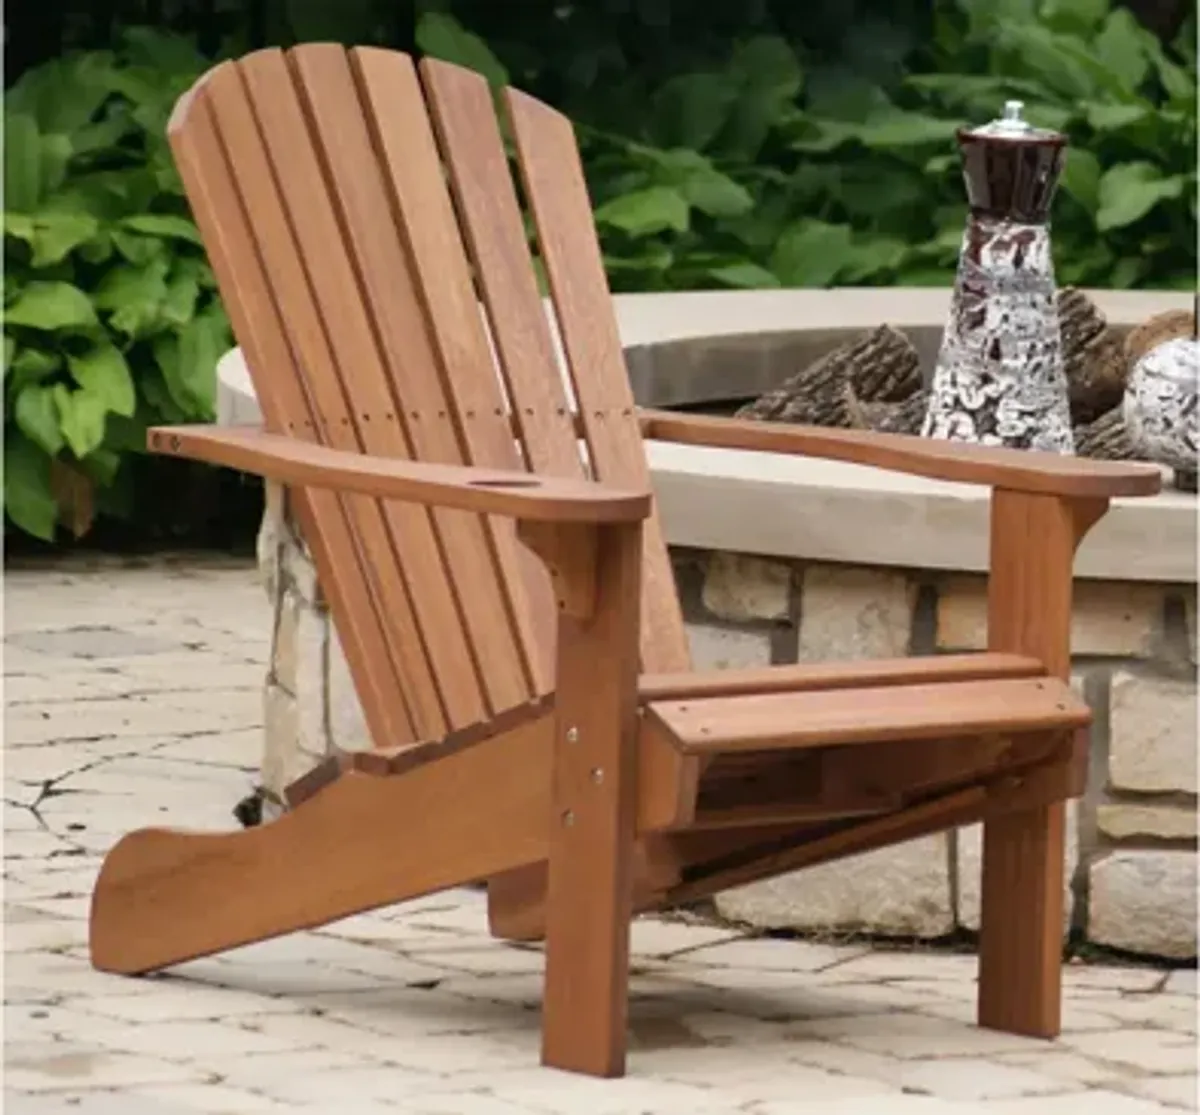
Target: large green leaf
[(442, 36), (51, 306), (187, 360), (56, 235), (180, 303), (134, 295), (657, 209), (37, 417), (1107, 117), (871, 257), (64, 94), (1120, 46), (1081, 177), (976, 94), (103, 373), (19, 226), (745, 275), (811, 253), (28, 497), (1130, 190), (22, 162), (1062, 63), (897, 129), (10, 347), (136, 248), (55, 153), (81, 417), (1074, 15), (31, 365), (770, 79), (701, 183), (166, 225)]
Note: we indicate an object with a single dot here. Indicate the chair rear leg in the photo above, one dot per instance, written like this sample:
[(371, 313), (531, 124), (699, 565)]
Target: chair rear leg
[(1021, 922)]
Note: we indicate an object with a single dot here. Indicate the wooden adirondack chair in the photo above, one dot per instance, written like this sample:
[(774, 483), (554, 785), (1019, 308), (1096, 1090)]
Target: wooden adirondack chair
[(535, 721)]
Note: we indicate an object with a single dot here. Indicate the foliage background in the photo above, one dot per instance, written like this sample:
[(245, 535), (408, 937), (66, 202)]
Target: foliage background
[(762, 144)]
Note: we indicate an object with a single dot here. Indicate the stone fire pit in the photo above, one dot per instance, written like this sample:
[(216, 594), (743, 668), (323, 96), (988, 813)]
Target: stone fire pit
[(784, 560)]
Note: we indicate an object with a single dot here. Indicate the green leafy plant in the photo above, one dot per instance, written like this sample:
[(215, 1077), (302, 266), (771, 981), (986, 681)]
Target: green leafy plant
[(765, 165), (111, 319)]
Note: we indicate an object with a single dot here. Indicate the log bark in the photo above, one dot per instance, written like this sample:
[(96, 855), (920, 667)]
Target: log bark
[(1106, 438), (905, 417)]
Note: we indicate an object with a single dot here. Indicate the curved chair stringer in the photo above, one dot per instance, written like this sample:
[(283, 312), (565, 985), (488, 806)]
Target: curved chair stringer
[(363, 841)]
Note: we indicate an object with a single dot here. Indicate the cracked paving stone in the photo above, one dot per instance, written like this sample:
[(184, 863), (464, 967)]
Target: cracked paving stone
[(100, 641)]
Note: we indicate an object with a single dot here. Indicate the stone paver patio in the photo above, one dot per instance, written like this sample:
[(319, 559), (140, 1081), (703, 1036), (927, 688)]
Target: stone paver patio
[(133, 697)]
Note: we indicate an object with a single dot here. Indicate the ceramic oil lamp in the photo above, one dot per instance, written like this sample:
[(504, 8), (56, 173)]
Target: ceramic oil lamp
[(999, 378)]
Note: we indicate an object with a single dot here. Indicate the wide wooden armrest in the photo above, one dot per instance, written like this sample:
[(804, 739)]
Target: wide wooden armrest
[(517, 495), (1016, 469)]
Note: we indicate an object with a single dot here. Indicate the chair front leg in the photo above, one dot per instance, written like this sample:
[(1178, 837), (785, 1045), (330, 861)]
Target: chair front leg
[(1033, 543), (596, 573)]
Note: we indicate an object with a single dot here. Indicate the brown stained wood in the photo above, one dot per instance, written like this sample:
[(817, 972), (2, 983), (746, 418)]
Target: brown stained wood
[(590, 885), (1033, 543), (718, 725), (445, 366), (351, 280), (464, 114), (399, 760), (517, 904), (388, 680), (808, 676), (752, 814), (488, 491), (517, 899), (768, 852), (569, 556), (760, 788), (554, 185), (392, 761), (668, 782), (1015, 469), (936, 764), (310, 378), (356, 393), (166, 897)]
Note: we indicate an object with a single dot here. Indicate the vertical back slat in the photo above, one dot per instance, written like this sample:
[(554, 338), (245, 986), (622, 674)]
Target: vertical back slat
[(557, 194), (402, 365), (332, 526), (465, 115)]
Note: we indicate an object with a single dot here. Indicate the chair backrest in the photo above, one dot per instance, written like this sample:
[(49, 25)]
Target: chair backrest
[(372, 257)]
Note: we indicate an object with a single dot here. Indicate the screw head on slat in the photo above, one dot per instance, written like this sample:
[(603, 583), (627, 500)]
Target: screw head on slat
[(568, 819), (597, 775), (572, 735)]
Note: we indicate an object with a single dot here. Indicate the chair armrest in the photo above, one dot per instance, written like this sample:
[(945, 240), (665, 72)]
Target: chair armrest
[(517, 495), (1019, 470)]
